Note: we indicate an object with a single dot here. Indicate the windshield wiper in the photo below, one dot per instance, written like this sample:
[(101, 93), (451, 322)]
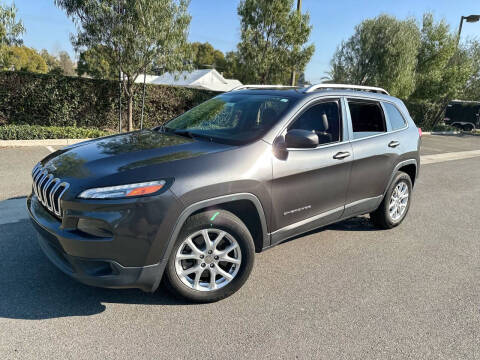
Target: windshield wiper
[(191, 135)]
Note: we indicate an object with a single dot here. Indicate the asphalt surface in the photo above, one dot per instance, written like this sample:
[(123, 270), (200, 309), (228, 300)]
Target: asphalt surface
[(345, 292)]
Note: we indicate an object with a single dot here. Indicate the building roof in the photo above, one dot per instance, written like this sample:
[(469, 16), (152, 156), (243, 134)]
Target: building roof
[(206, 79)]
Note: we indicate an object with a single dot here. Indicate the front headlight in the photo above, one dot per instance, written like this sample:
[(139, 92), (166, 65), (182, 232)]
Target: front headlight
[(123, 191)]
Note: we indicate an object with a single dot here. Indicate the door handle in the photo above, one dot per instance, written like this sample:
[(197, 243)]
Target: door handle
[(341, 155), (393, 144)]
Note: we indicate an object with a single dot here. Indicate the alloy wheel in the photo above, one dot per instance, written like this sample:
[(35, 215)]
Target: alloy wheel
[(398, 201), (208, 259)]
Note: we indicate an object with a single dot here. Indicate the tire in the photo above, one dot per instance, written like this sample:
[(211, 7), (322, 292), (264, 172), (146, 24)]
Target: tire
[(384, 217), (468, 127), (194, 256)]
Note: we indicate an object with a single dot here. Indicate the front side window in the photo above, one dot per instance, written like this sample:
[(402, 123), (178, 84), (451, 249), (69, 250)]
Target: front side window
[(324, 119), (233, 118), (367, 118), (394, 116)]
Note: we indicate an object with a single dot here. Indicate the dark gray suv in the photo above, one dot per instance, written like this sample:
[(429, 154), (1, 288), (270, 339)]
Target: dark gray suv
[(191, 202)]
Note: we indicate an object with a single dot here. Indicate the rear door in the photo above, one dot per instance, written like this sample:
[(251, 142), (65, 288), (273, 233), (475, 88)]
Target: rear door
[(309, 186), (376, 151)]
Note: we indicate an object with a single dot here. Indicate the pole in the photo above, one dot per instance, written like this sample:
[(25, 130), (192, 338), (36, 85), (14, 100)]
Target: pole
[(460, 29), (143, 97), (119, 86), (299, 9), (443, 108), (119, 101)]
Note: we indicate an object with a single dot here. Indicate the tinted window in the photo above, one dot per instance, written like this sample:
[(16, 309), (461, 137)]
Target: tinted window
[(235, 118), (396, 119), (367, 118), (324, 119)]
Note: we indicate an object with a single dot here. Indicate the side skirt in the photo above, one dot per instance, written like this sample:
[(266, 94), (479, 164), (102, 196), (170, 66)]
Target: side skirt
[(327, 218)]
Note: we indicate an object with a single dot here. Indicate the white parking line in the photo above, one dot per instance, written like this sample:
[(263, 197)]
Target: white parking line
[(436, 158), (49, 148)]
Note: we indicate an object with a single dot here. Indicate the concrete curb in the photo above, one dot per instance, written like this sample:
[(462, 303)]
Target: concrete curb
[(449, 133), (46, 142)]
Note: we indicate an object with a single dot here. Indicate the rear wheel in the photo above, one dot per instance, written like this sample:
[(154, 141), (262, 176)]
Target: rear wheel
[(395, 204), (212, 257), (468, 127)]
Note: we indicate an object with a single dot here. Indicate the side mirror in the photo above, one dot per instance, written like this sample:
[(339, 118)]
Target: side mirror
[(297, 138)]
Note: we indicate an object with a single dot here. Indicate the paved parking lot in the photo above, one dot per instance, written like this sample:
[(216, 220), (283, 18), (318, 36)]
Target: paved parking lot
[(345, 292)]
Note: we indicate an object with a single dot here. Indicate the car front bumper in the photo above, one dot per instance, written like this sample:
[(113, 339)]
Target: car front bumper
[(81, 257)]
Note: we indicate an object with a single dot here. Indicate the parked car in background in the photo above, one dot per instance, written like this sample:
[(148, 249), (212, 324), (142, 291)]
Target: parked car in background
[(464, 115), (191, 202)]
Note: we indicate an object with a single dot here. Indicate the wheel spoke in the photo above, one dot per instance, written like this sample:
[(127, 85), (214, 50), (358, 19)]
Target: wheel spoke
[(191, 256), (223, 273), (229, 259), (206, 238), (196, 281), (212, 284), (218, 239), (193, 247), (228, 249), (191, 270)]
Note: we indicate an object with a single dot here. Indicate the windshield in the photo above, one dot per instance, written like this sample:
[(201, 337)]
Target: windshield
[(236, 118)]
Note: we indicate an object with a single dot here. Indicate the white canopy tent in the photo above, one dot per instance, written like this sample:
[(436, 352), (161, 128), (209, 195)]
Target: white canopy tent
[(206, 79)]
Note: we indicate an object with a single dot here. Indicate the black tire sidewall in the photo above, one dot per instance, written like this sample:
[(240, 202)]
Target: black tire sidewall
[(228, 222)]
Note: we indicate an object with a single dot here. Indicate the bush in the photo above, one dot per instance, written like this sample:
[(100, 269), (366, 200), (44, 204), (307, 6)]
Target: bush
[(423, 113), (57, 100), (36, 132)]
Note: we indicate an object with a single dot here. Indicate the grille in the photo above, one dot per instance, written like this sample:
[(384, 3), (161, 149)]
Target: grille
[(49, 190)]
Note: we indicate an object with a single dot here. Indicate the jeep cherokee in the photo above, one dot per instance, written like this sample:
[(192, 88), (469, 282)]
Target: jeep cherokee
[(192, 201)]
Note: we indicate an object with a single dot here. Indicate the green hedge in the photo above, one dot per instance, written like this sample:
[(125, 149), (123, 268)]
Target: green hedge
[(56, 100), (35, 132)]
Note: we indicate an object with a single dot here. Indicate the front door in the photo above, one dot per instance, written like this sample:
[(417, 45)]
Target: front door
[(309, 185)]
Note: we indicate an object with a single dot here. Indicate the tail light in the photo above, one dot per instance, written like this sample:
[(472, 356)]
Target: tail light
[(420, 132)]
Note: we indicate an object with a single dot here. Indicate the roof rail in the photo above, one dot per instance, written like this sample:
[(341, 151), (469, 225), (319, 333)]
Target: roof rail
[(245, 87), (346, 86)]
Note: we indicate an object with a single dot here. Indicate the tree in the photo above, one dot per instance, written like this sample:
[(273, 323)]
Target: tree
[(25, 59), (443, 68), (133, 35), (205, 55), (232, 66), (92, 62), (10, 32), (66, 64), (273, 38), (50, 60), (382, 52), (472, 89), (423, 65)]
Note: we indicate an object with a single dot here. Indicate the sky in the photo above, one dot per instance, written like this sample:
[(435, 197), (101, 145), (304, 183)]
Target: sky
[(217, 22)]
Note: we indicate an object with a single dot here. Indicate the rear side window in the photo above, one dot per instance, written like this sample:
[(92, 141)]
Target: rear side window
[(367, 118), (324, 119), (394, 116)]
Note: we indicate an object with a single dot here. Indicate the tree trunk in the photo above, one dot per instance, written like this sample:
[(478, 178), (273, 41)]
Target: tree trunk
[(130, 111)]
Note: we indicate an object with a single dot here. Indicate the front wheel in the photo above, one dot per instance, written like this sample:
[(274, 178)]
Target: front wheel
[(212, 257), (395, 204)]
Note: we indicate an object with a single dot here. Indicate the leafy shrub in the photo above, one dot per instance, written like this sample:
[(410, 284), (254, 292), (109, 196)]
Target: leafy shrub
[(34, 132), (57, 100), (423, 113)]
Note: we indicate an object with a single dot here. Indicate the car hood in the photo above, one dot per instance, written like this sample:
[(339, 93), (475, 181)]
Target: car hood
[(126, 158)]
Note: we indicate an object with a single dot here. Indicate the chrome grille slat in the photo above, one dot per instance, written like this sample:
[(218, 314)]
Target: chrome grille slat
[(52, 193), (49, 190), (45, 187)]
